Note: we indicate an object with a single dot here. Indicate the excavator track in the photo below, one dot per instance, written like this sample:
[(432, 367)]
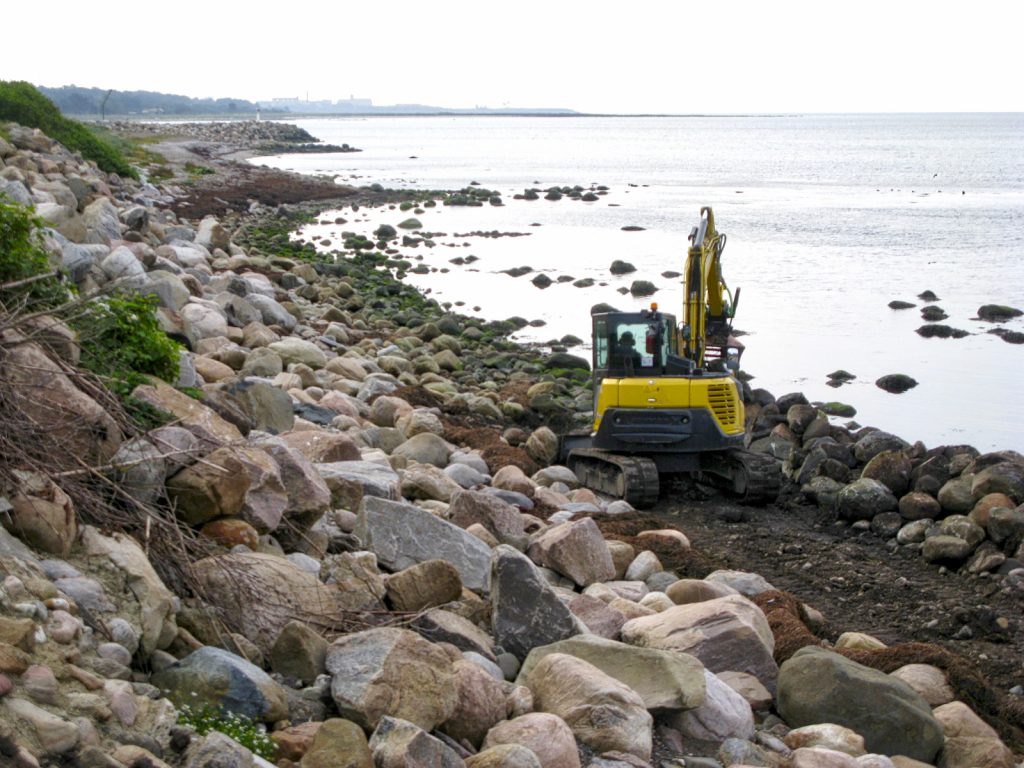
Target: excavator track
[(754, 478), (632, 478)]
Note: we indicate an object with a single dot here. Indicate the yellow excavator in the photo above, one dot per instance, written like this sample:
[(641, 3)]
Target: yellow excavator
[(666, 399)]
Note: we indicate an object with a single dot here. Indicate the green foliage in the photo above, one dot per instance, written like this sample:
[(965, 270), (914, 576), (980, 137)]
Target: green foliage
[(22, 256), (198, 170), (135, 150), (122, 341), (240, 728), (272, 237), (22, 103)]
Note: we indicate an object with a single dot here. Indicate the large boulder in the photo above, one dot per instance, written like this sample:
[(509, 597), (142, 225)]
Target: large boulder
[(527, 612), (52, 735), (424, 585), (505, 756), (214, 487), (820, 686), (338, 743), (46, 397), (425, 448), (1005, 477), (402, 535), (603, 713), (574, 549), (140, 469), (323, 447), (41, 514), (157, 605), (723, 714), (865, 498), (101, 222), (542, 444), (275, 314), (425, 481), (970, 741), (360, 584), (391, 672), (308, 496), (546, 735), (351, 481), (480, 703), (188, 412), (398, 743), (956, 495), (598, 617), (441, 626), (496, 515), (237, 582), (892, 469), (266, 498), (299, 652), (665, 680), (212, 234), (295, 350), (200, 321), (726, 634), (873, 443), (268, 407), (220, 679)]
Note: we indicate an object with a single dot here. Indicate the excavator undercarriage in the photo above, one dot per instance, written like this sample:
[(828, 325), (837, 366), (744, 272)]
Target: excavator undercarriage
[(752, 478)]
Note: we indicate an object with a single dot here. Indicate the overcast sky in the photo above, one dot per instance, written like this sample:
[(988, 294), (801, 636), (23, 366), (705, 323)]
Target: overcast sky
[(665, 56)]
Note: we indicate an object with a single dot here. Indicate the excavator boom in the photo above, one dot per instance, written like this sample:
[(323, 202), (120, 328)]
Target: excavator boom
[(708, 306)]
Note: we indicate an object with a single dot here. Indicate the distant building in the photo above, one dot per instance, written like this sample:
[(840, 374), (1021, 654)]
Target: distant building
[(319, 107)]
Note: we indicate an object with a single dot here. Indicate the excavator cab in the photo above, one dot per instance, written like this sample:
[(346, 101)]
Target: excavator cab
[(636, 344)]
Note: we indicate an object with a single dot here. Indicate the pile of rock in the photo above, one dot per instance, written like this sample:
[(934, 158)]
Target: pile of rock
[(959, 508), (239, 133), (374, 593)]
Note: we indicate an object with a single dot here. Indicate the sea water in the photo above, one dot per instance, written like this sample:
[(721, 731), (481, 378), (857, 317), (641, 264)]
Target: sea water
[(828, 219)]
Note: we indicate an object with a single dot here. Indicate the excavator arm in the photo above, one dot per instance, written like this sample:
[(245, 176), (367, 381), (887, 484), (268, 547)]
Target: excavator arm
[(708, 305)]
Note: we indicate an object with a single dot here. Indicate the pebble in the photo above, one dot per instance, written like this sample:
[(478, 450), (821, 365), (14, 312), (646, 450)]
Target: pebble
[(27, 610), (63, 627), (6, 685)]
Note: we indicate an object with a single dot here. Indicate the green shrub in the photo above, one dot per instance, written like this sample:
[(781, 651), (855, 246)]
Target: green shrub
[(198, 170), (122, 342), (22, 257), (20, 102), (240, 728)]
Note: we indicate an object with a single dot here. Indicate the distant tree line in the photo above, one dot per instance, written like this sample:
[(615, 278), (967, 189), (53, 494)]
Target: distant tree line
[(73, 100)]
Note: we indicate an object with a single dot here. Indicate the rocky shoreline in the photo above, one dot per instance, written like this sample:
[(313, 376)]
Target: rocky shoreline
[(352, 531)]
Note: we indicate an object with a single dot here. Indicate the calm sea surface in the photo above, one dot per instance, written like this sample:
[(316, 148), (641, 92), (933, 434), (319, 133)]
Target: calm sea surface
[(828, 217)]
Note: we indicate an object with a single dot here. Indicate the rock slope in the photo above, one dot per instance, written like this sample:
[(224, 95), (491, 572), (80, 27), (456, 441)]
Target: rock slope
[(385, 567)]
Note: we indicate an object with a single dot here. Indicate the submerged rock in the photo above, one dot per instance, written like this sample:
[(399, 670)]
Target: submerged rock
[(997, 313), (896, 383)]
